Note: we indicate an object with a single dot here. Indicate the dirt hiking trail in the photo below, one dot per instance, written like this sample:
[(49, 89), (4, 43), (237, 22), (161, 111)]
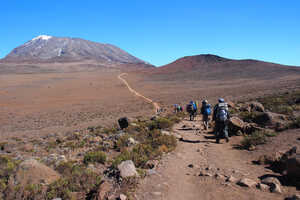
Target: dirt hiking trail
[(155, 105), (199, 169)]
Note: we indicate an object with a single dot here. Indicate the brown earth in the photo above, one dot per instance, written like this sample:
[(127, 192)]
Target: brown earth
[(39, 103), (177, 175)]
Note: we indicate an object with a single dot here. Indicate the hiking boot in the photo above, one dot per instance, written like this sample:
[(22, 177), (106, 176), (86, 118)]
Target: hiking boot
[(227, 139)]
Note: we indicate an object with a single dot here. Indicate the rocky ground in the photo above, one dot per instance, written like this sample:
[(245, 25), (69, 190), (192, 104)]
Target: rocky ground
[(52, 146), (201, 168)]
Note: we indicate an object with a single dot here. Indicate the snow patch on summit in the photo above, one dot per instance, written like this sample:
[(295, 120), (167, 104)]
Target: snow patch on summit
[(42, 37)]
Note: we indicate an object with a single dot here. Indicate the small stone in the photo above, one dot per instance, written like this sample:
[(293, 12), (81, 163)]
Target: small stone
[(252, 148), (245, 182), (151, 164), (165, 132), (220, 176), (270, 181), (156, 193), (123, 197), (131, 141), (263, 187), (276, 189), (231, 179), (190, 165), (103, 190), (205, 174)]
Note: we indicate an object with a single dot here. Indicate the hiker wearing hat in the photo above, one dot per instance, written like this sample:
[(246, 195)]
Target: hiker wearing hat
[(221, 117)]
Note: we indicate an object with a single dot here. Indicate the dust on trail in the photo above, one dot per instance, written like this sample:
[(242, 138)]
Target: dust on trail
[(177, 175), (155, 105)]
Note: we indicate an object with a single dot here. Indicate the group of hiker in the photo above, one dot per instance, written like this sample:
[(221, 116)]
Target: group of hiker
[(220, 115)]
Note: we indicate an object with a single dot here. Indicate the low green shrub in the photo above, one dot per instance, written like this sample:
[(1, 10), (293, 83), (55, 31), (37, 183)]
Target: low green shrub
[(122, 142), (294, 124), (75, 178), (160, 123), (59, 188), (281, 103), (110, 131), (256, 138), (94, 156), (7, 168)]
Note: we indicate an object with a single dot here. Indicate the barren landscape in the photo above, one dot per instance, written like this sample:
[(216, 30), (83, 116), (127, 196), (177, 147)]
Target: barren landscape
[(64, 114)]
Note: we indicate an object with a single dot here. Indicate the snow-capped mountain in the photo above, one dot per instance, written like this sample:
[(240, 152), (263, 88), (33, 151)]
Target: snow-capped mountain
[(48, 48)]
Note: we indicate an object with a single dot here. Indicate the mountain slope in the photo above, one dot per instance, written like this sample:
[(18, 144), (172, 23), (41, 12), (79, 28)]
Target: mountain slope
[(212, 67), (47, 48)]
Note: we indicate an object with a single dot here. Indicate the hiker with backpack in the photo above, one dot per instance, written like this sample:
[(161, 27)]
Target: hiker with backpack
[(177, 108), (205, 111), (221, 117), (191, 108)]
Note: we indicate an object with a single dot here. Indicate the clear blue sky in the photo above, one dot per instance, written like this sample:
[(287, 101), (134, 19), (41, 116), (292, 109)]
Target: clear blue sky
[(160, 31)]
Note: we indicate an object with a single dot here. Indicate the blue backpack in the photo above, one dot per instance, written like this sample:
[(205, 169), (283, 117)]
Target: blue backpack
[(194, 106), (207, 109)]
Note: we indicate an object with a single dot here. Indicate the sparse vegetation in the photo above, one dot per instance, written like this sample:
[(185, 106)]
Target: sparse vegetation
[(295, 123), (256, 138), (110, 131), (281, 103), (160, 123), (94, 156), (253, 117), (76, 178), (153, 145), (7, 168)]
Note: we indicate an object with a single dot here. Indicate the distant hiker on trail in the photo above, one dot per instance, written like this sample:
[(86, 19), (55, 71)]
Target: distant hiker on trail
[(221, 117), (177, 108), (205, 111), (191, 108)]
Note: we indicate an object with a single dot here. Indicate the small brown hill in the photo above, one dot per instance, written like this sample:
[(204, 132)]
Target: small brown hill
[(212, 67)]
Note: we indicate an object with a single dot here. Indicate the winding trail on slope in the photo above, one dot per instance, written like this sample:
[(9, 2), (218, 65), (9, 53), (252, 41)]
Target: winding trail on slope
[(155, 105)]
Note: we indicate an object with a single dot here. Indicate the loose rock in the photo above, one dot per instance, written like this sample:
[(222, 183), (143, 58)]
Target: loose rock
[(103, 190), (263, 187), (123, 197), (231, 179), (33, 172), (245, 182), (127, 169)]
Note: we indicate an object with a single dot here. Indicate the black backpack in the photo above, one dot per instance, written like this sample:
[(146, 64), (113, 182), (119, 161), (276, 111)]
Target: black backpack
[(189, 108), (123, 122)]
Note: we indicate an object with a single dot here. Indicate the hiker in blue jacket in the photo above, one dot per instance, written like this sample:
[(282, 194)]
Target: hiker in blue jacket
[(205, 111), (221, 117), (191, 108)]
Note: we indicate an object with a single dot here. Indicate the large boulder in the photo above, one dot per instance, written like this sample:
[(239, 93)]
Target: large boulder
[(127, 169), (249, 128), (33, 172), (252, 107), (270, 120), (274, 184), (270, 181), (256, 106), (289, 164), (235, 125)]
